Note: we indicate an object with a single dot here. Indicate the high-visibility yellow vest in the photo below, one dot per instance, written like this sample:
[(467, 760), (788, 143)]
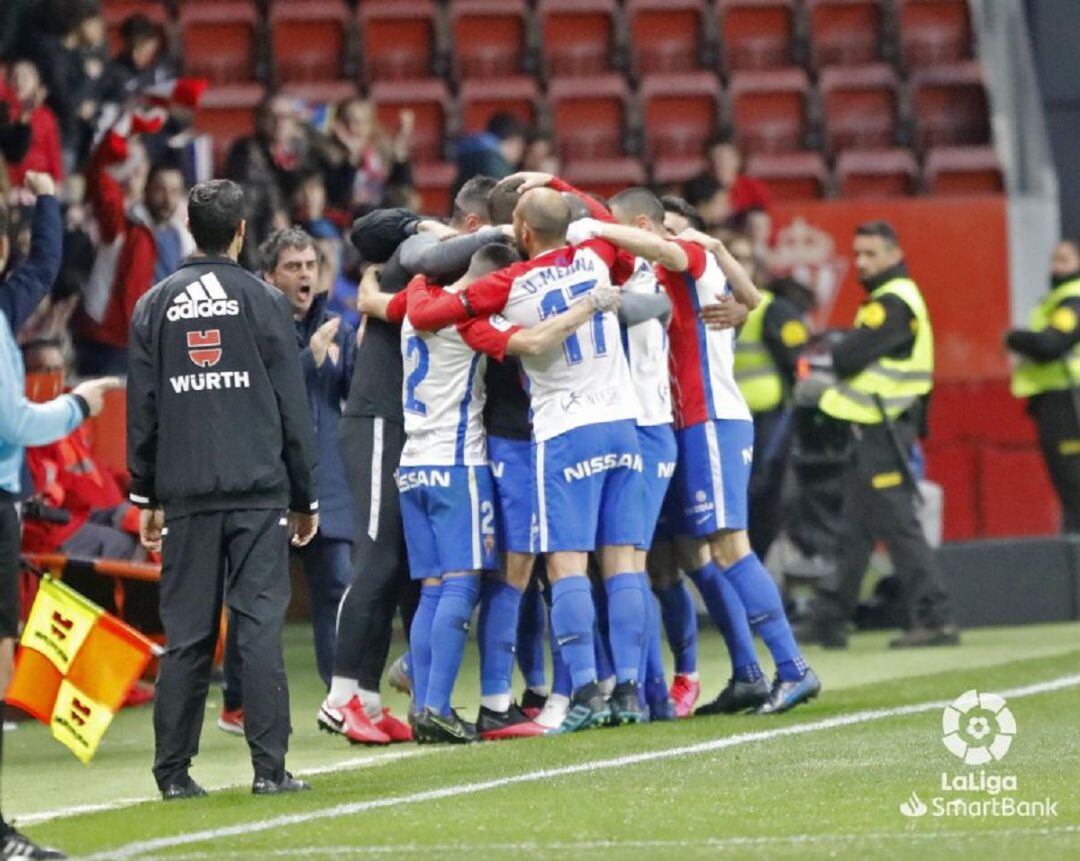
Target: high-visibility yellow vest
[(1033, 378), (756, 373), (899, 383)]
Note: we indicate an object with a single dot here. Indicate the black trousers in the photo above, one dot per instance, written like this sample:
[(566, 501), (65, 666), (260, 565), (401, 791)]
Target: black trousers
[(240, 557), (10, 542), (885, 512), (772, 441), (371, 449), (1059, 438)]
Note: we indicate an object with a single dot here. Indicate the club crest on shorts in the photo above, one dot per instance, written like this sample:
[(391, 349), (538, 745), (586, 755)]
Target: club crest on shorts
[(204, 348)]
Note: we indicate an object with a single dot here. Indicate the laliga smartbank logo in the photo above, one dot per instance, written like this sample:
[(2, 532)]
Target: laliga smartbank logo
[(979, 730)]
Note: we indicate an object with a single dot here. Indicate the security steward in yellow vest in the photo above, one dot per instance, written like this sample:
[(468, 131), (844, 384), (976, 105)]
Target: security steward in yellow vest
[(766, 352), (1048, 374), (885, 363)]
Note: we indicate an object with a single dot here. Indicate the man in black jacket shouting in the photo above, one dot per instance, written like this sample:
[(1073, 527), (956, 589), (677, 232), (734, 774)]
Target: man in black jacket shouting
[(222, 456)]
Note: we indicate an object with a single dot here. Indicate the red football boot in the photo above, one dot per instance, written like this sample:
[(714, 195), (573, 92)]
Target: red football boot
[(685, 691), (394, 729), (352, 722)]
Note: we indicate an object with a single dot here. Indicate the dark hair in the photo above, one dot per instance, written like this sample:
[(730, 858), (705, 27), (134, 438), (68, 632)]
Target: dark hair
[(493, 257), (502, 199), (215, 212), (701, 189), (472, 198), (578, 209), (138, 28), (278, 241), (878, 228), (504, 124), (166, 165), (639, 201), (676, 204), (794, 291)]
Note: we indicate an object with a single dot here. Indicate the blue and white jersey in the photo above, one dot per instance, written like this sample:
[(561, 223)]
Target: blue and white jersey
[(646, 346), (442, 398), (585, 380)]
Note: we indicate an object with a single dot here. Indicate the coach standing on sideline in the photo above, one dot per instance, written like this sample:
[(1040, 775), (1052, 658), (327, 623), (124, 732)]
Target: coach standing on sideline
[(220, 445)]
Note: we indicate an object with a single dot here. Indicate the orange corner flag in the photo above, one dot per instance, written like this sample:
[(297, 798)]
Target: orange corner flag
[(75, 665)]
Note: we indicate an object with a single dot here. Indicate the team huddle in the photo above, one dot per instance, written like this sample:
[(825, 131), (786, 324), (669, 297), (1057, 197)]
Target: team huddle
[(593, 336)]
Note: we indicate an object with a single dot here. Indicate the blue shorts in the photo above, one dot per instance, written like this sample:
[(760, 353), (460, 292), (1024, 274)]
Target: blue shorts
[(448, 515), (589, 488), (712, 476), (512, 473), (659, 453)]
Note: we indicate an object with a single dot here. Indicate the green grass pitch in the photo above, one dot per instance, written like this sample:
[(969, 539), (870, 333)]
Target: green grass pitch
[(825, 781)]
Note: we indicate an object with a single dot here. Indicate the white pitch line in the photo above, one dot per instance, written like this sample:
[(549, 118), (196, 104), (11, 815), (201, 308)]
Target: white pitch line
[(581, 845), (141, 848), (344, 765)]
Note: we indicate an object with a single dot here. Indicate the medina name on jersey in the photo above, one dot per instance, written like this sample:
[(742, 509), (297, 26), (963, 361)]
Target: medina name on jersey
[(442, 398)]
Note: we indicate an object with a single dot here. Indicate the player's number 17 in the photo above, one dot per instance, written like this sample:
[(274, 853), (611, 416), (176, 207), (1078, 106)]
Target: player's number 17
[(554, 302)]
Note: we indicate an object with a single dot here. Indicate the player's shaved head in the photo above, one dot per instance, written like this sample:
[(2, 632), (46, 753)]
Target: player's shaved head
[(491, 258), (578, 209), (502, 199), (545, 213), (634, 203)]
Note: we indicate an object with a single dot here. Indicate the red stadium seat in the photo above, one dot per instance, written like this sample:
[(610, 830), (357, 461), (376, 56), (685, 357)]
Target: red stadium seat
[(666, 35), (228, 112), (672, 171), (397, 39), (310, 39), (680, 112), (428, 100), (963, 170), (219, 41), (321, 92), (859, 106), (845, 32), (479, 99), (578, 36), (489, 37), (589, 115), (433, 182), (115, 14), (769, 109), (756, 34), (605, 177), (885, 173), (934, 31), (950, 107), (791, 176)]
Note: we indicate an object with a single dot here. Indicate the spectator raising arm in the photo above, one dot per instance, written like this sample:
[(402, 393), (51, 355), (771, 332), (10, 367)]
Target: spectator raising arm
[(28, 283)]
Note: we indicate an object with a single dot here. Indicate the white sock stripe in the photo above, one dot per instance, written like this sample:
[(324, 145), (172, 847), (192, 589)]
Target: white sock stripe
[(541, 498), (136, 849), (376, 479), (474, 520), (716, 472)]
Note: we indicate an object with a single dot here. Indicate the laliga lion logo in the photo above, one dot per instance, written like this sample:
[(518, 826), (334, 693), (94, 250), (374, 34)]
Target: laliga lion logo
[(978, 727)]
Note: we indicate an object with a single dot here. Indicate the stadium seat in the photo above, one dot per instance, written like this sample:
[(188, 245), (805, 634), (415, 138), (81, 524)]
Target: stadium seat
[(219, 41), (489, 37), (427, 99), (949, 105), (479, 99), (674, 171), (884, 173), (310, 39), (963, 170), (578, 36), (433, 181), (791, 176), (228, 112), (605, 177), (666, 35), (588, 115), (397, 39), (114, 15), (859, 106), (845, 32), (769, 109), (934, 31), (680, 112), (321, 92), (756, 34)]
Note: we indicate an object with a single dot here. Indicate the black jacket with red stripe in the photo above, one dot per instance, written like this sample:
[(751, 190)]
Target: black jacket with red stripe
[(217, 408)]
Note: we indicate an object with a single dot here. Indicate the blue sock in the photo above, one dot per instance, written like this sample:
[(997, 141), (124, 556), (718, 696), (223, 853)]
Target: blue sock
[(449, 630), (765, 611), (572, 619), (499, 606), (680, 625), (420, 642), (726, 610), (605, 667), (626, 624), (532, 619), (560, 673), (655, 687)]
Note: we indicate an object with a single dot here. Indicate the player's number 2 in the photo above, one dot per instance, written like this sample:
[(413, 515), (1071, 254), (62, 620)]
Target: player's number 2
[(555, 303), (416, 347)]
